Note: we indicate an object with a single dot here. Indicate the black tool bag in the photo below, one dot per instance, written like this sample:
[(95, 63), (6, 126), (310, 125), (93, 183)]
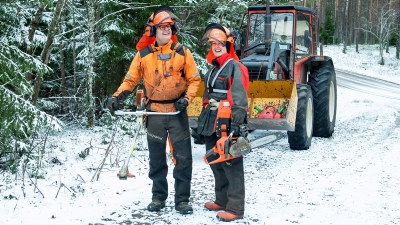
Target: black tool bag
[(206, 121)]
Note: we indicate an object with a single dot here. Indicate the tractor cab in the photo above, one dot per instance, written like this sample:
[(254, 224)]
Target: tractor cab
[(278, 42)]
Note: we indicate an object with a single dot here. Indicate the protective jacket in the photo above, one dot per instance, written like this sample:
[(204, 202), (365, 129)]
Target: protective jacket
[(223, 81), (169, 72)]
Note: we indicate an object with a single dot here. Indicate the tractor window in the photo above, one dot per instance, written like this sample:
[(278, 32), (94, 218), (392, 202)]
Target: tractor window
[(281, 28), (303, 36)]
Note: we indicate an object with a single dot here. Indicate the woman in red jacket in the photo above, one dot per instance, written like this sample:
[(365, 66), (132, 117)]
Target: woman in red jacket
[(227, 80)]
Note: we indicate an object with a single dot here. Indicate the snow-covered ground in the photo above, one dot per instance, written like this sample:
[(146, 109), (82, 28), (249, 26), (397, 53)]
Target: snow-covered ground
[(350, 178)]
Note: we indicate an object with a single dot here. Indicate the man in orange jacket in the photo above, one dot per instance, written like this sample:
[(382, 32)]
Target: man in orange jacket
[(171, 81)]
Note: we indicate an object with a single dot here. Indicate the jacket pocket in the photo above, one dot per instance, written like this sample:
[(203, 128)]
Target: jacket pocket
[(172, 88), (206, 121)]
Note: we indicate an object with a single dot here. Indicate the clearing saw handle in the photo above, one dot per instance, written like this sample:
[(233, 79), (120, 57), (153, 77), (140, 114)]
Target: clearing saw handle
[(228, 144), (141, 113)]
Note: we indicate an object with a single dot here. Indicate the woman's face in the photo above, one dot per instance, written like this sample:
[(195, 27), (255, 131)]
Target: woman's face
[(218, 48)]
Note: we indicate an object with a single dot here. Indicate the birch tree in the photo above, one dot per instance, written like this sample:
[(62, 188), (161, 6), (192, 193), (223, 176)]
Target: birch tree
[(345, 26), (382, 28), (358, 23), (91, 5)]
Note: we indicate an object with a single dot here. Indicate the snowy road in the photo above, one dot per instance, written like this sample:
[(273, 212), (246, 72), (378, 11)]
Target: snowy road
[(368, 84), (350, 178)]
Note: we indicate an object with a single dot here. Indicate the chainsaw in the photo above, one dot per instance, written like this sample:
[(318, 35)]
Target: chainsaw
[(227, 147)]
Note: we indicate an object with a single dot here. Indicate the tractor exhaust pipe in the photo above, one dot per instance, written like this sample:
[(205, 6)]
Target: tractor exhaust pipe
[(267, 26)]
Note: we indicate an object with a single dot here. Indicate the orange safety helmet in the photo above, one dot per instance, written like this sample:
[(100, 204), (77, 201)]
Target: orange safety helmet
[(147, 38), (221, 34), (216, 32), (162, 15)]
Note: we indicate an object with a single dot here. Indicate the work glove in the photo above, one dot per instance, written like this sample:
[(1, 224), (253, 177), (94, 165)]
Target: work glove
[(181, 104), (198, 138), (238, 115), (115, 103), (235, 128), (112, 104)]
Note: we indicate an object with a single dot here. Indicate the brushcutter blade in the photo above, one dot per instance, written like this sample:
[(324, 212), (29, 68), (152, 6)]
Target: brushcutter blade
[(124, 173)]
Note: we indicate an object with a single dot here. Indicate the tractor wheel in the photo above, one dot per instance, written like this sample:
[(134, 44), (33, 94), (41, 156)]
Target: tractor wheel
[(300, 138), (322, 80)]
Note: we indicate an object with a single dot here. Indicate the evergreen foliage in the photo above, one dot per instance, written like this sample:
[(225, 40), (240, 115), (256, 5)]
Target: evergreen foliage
[(19, 118), (327, 31)]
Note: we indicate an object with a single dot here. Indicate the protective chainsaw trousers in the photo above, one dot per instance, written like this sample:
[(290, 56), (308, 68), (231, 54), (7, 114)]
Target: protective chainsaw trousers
[(158, 129), (229, 181)]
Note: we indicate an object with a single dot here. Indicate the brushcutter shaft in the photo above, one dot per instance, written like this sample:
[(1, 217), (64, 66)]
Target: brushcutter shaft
[(144, 113)]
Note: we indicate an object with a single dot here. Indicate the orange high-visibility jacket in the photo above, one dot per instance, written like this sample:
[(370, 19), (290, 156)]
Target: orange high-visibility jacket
[(169, 72)]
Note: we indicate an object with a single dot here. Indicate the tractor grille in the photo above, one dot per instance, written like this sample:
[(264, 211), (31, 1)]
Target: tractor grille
[(257, 73)]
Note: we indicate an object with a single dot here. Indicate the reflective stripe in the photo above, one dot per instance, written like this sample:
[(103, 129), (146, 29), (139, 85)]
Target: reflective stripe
[(220, 91), (164, 57), (215, 78)]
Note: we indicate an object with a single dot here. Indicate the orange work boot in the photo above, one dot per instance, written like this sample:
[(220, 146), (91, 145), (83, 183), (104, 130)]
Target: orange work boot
[(212, 206), (227, 216)]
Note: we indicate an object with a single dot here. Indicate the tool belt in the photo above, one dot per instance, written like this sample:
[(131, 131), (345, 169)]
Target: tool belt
[(161, 106), (207, 118)]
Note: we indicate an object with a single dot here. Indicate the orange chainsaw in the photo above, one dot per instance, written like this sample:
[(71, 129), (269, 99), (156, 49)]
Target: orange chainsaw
[(220, 152)]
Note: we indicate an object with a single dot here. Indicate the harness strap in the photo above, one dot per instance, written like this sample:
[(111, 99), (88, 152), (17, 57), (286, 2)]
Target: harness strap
[(176, 47), (146, 51), (210, 86)]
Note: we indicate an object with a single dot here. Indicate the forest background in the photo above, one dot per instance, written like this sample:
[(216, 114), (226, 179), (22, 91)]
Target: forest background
[(61, 59)]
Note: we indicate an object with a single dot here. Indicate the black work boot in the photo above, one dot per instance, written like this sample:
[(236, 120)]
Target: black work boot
[(184, 208), (156, 205)]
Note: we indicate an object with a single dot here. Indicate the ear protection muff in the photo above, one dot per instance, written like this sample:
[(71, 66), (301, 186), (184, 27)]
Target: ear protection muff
[(153, 31), (174, 28), (228, 46)]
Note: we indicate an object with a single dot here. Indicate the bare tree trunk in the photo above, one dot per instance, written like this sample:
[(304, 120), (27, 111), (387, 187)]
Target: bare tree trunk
[(336, 19), (338, 23), (74, 51), (91, 4), (345, 25), (321, 12), (398, 43), (62, 73), (358, 24), (33, 26), (398, 30), (48, 47), (370, 9)]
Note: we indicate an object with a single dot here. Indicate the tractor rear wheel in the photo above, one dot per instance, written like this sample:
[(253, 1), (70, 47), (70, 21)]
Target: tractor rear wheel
[(322, 80), (300, 138)]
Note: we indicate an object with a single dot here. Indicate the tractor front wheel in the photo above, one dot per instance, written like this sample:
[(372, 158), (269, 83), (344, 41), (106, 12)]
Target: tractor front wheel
[(322, 80), (300, 138)]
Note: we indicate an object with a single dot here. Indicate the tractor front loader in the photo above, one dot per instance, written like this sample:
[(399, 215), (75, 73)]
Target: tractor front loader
[(291, 86)]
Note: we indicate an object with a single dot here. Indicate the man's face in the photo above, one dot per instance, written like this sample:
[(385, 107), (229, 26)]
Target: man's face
[(218, 48), (163, 34)]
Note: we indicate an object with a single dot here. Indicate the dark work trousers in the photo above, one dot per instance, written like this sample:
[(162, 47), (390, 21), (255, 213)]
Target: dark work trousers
[(158, 129), (229, 181)]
